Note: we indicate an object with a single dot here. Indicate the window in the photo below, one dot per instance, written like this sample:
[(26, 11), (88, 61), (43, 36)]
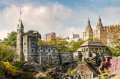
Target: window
[(53, 50), (48, 50), (24, 43), (33, 42), (32, 50), (43, 49)]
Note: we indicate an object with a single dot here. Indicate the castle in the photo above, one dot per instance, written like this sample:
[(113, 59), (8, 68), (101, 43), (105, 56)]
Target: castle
[(99, 34), (28, 50)]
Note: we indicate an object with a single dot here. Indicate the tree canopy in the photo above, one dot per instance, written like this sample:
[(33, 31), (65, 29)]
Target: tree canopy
[(63, 45), (6, 52), (113, 35), (11, 39)]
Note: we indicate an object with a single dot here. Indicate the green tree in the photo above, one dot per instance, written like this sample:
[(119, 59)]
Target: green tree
[(60, 42), (32, 32), (116, 51), (73, 46), (11, 39), (113, 35), (6, 52), (63, 45)]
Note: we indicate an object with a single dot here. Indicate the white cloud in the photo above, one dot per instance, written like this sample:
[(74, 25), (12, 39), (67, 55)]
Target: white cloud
[(42, 18), (3, 34), (54, 18)]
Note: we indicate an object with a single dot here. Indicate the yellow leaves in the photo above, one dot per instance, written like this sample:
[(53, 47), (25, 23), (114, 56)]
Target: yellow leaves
[(104, 76), (116, 77), (10, 68), (113, 35), (105, 70)]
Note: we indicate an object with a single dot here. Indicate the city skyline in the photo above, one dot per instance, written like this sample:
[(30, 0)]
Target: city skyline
[(61, 16)]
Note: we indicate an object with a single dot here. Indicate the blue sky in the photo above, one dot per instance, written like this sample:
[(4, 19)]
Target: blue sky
[(61, 16)]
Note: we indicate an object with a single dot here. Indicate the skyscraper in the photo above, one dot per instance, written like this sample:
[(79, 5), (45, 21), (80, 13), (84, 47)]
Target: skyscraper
[(49, 36)]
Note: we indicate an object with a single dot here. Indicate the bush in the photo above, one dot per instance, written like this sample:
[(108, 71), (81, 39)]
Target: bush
[(69, 71), (2, 76), (48, 77), (10, 68), (26, 76), (18, 65)]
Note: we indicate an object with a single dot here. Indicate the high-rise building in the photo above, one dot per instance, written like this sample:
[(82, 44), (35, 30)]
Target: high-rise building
[(73, 37), (49, 36)]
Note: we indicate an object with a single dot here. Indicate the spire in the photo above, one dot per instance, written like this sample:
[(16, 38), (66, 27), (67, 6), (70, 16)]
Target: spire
[(99, 19), (88, 21), (20, 25), (88, 25), (99, 24)]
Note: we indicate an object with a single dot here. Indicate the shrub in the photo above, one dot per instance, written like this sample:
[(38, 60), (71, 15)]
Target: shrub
[(26, 76), (48, 77)]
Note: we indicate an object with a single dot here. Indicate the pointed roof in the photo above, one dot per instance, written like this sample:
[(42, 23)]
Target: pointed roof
[(99, 24), (20, 25), (88, 27), (88, 23)]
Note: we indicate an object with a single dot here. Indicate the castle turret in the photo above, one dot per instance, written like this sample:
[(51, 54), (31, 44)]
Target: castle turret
[(20, 32), (88, 34), (99, 33)]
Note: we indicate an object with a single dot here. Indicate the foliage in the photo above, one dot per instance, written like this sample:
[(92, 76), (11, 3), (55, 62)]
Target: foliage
[(113, 34), (32, 32), (2, 74), (73, 46), (69, 71), (6, 52), (26, 76), (13, 72), (18, 65), (63, 45), (10, 68), (11, 39), (48, 77), (104, 76), (116, 51), (41, 42)]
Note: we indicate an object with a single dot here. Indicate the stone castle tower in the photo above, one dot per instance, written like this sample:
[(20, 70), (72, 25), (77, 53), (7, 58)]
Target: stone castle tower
[(100, 33), (88, 34), (19, 51)]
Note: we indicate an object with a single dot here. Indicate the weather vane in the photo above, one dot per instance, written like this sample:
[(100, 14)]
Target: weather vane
[(20, 13)]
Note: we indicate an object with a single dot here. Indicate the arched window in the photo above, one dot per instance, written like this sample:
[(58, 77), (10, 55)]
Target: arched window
[(33, 42), (43, 49), (54, 50), (48, 50), (32, 50), (24, 43)]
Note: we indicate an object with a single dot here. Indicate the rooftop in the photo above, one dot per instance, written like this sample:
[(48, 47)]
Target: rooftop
[(91, 43)]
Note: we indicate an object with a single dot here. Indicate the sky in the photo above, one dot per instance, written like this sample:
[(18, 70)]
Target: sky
[(63, 17)]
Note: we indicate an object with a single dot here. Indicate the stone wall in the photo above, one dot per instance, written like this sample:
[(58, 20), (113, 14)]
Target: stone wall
[(48, 55), (30, 48), (66, 57)]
